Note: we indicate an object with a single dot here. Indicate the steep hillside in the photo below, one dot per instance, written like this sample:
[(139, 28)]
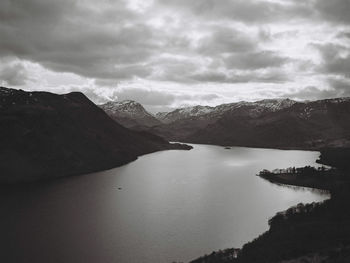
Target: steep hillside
[(44, 135), (207, 112), (311, 125), (183, 113), (269, 123), (181, 124)]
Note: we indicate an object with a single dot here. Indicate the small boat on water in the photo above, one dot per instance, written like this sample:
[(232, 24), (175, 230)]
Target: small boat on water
[(227, 147)]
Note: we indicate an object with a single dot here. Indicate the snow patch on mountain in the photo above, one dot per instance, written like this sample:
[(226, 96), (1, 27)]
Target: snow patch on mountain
[(253, 108), (129, 113)]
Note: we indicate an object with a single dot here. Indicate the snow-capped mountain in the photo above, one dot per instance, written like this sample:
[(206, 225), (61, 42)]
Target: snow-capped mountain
[(253, 108), (182, 113), (265, 123), (130, 114), (281, 123)]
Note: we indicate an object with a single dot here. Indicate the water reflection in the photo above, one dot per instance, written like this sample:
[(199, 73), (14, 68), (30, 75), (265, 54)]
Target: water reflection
[(302, 188)]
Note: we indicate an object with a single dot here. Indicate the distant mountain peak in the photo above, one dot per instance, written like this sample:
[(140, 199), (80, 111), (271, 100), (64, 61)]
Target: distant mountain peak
[(275, 104), (129, 113), (123, 103), (127, 107), (185, 112), (202, 111)]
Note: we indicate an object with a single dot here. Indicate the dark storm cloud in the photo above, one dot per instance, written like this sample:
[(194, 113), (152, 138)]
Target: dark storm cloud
[(339, 65), (188, 42), (255, 60), (336, 59), (271, 76), (345, 35), (69, 37), (229, 49), (225, 40), (247, 11), (109, 41), (253, 11), (336, 10), (341, 87)]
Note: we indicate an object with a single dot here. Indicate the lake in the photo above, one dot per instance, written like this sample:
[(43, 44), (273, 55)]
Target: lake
[(164, 207)]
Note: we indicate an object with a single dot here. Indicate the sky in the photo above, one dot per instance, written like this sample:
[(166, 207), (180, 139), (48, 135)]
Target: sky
[(174, 53)]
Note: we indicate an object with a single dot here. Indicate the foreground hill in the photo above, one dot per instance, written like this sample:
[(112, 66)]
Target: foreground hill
[(44, 135), (130, 114), (267, 123)]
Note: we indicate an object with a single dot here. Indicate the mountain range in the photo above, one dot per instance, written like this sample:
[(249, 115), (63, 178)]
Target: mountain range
[(269, 123), (45, 135)]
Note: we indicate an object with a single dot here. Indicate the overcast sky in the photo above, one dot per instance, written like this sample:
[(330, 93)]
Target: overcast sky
[(171, 53)]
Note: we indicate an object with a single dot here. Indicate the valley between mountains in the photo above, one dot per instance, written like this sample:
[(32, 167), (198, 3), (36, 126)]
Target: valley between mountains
[(45, 135)]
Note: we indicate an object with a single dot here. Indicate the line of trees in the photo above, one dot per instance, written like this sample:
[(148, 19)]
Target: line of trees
[(306, 170)]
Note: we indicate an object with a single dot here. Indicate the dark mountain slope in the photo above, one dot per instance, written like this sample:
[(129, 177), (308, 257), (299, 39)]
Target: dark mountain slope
[(182, 123), (44, 135), (310, 125)]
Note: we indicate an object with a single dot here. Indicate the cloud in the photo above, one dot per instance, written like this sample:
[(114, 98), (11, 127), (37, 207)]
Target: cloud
[(112, 41), (310, 93), (76, 37), (225, 40), (336, 59), (337, 87), (98, 46), (255, 60), (248, 11), (12, 73), (270, 76), (153, 97), (336, 10), (340, 86), (145, 96)]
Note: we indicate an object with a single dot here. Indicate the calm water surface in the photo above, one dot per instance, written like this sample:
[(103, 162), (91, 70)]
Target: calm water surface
[(172, 206)]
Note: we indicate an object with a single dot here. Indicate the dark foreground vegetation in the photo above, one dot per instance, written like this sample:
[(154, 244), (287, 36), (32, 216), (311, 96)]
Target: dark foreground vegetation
[(317, 232), (45, 135), (319, 178)]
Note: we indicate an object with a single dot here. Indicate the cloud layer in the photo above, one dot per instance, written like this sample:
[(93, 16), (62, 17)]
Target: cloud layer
[(168, 53)]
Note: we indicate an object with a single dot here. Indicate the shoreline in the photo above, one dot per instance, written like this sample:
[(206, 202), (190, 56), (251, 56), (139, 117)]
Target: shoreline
[(27, 181), (294, 234), (307, 183), (258, 146)]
